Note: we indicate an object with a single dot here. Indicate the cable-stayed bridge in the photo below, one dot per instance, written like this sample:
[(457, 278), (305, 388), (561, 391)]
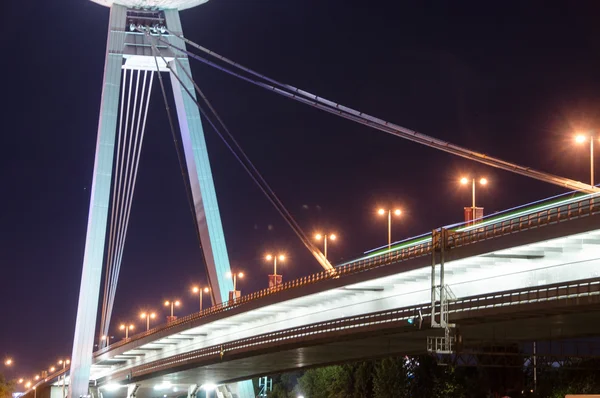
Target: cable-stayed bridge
[(532, 274), (421, 295)]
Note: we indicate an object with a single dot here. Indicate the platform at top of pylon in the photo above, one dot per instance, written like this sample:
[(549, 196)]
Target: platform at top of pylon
[(153, 4)]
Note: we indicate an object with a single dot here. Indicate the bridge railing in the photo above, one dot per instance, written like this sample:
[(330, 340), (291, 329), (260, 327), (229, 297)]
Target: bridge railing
[(535, 219), (345, 270), (489, 230)]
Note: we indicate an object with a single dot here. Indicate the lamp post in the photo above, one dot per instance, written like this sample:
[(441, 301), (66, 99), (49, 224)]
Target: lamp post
[(325, 239), (275, 280), (233, 295), (147, 316), (127, 328), (397, 212), (8, 362), (199, 290), (580, 139), (172, 303), (270, 257), (465, 181), (106, 339), (64, 363)]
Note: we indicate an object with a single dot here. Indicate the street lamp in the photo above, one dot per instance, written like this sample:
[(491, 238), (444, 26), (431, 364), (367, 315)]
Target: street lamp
[(235, 275), (235, 294), (397, 212), (8, 362), (325, 238), (580, 139), (270, 257), (199, 290), (465, 181), (52, 369), (105, 340), (275, 280), (127, 328), (64, 363), (172, 303), (147, 316)]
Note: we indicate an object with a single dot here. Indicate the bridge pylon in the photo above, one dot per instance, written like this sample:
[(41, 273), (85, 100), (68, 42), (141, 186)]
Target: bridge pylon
[(130, 53)]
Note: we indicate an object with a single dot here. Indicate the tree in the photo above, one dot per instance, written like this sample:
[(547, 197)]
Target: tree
[(320, 382), (6, 387), (391, 378)]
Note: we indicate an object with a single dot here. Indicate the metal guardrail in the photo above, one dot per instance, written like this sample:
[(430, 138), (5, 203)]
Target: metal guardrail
[(390, 317), (535, 219)]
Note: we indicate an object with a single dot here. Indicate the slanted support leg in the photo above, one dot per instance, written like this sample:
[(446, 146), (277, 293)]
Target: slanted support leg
[(89, 291)]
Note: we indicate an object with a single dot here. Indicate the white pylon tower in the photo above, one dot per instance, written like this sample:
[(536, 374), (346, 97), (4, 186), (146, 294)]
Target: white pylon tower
[(128, 49)]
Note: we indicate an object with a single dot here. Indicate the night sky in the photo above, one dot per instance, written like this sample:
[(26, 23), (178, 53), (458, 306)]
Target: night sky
[(513, 80)]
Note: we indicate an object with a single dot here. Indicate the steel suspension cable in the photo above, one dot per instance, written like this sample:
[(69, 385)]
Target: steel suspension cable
[(244, 160), (124, 188), (136, 141), (380, 124), (133, 144), (117, 202), (108, 272)]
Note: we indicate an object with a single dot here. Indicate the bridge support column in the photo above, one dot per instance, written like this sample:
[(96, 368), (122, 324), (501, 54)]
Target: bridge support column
[(206, 207), (89, 291), (202, 186)]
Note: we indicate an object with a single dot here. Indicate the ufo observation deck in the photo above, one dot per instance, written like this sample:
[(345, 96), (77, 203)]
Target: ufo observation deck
[(153, 4)]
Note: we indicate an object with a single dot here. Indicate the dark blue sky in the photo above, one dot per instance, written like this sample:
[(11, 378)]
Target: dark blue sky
[(513, 80)]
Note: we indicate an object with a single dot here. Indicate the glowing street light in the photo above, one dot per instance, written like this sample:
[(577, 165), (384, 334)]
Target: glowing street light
[(325, 239), (64, 363), (105, 340), (8, 362), (199, 290), (397, 212), (28, 384), (465, 181), (127, 328), (20, 381), (235, 275), (147, 316), (582, 138), (270, 257), (52, 369), (172, 303)]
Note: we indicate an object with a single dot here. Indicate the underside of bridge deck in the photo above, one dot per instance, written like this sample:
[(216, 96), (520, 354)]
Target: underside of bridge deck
[(529, 322)]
